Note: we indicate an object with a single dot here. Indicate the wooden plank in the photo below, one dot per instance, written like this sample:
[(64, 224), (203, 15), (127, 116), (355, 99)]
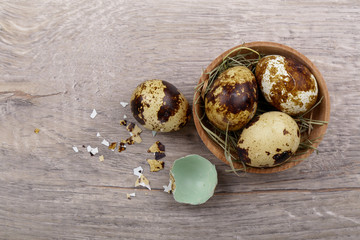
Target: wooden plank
[(61, 60)]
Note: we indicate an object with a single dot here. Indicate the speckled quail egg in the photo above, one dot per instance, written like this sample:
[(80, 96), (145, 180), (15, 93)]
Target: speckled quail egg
[(193, 179), (232, 99), (159, 106), (269, 140), (286, 84)]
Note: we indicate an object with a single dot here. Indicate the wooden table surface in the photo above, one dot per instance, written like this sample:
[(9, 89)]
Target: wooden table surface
[(59, 60)]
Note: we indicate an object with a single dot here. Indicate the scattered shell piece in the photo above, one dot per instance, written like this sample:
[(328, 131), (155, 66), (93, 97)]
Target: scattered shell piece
[(123, 122), (105, 142), (93, 114), (112, 146), (138, 171), (156, 147), (136, 138), (168, 188), (155, 165), (122, 146), (101, 158), (154, 133), (159, 155), (88, 148), (75, 149), (125, 117), (98, 134), (36, 130), (130, 141), (91, 150), (124, 104), (94, 151), (130, 195), (143, 181), (134, 131)]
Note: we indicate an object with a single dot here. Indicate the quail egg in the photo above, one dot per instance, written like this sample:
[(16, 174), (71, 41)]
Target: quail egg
[(268, 140), (286, 84), (159, 106), (232, 99)]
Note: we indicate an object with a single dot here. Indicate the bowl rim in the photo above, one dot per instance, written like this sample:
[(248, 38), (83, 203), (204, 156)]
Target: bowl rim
[(271, 48)]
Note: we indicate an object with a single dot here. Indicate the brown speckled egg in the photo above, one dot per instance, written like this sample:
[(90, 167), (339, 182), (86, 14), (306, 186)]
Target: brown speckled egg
[(159, 106), (268, 140), (232, 99), (286, 84)]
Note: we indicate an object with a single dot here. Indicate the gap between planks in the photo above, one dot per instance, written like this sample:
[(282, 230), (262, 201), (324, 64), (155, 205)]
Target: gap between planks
[(271, 191)]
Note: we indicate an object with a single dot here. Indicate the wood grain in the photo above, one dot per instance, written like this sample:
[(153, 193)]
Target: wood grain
[(59, 60)]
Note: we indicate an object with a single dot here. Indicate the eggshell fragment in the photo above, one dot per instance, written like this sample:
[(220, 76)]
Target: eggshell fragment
[(130, 195), (124, 104), (193, 179), (122, 146), (156, 147), (105, 142), (159, 106), (268, 140), (123, 122), (112, 146), (286, 84), (232, 99), (142, 181), (138, 171), (167, 188), (155, 165), (94, 151), (135, 132), (159, 155), (93, 114)]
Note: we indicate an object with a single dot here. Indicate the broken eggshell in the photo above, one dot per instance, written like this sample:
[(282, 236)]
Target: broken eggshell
[(194, 179)]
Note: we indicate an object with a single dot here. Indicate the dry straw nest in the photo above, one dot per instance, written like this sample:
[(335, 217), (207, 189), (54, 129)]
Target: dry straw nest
[(313, 124)]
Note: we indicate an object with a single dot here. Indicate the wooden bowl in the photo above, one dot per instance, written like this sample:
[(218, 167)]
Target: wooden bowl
[(321, 112)]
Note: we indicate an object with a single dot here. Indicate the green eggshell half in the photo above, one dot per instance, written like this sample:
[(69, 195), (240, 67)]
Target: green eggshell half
[(195, 179)]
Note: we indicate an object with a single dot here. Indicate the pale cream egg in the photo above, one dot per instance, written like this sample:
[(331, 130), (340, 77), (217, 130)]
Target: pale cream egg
[(269, 140)]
